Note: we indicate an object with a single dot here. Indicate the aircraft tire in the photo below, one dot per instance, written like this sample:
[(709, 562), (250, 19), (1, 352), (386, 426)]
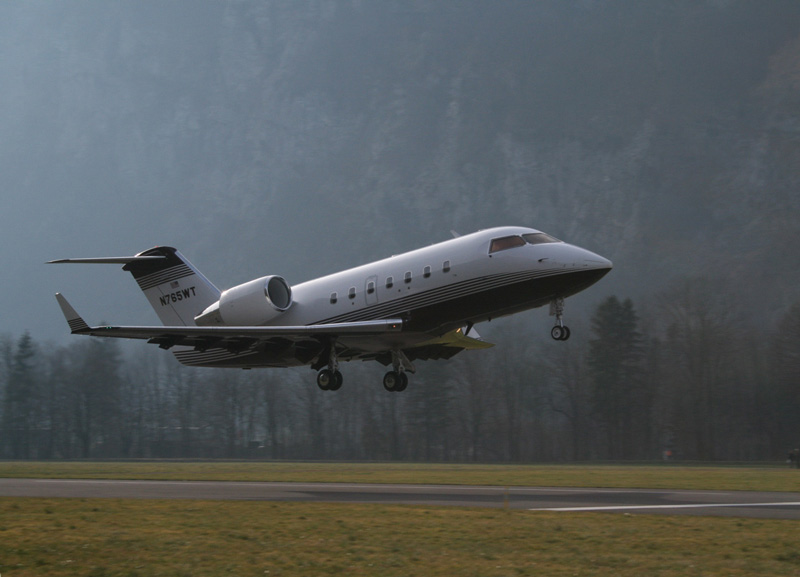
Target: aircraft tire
[(337, 381), (391, 381), (395, 382), (326, 379), (403, 383)]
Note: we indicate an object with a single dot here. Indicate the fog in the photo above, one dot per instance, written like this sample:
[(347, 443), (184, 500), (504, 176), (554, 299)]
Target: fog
[(298, 138)]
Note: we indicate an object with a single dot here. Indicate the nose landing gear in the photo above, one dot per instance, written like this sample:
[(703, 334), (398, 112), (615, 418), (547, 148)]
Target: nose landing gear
[(560, 332)]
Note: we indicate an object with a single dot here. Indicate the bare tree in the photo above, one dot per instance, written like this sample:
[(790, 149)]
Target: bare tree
[(700, 356), (786, 377), (570, 395), (615, 356)]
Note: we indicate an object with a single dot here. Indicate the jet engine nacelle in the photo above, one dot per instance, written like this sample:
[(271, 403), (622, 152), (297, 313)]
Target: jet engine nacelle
[(250, 304)]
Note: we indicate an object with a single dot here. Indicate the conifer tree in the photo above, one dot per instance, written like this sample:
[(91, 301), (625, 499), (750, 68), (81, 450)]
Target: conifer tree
[(21, 401)]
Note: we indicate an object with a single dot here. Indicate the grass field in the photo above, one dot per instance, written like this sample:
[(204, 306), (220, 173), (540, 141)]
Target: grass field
[(629, 476), (141, 538), (129, 538)]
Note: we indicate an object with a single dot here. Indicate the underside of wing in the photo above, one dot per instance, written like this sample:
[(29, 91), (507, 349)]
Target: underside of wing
[(443, 347)]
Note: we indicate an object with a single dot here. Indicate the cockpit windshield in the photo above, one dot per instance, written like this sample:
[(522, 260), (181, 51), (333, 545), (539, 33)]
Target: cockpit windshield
[(505, 243), (514, 241), (539, 238)]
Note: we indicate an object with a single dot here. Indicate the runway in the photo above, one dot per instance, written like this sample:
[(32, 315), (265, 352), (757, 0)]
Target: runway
[(651, 501)]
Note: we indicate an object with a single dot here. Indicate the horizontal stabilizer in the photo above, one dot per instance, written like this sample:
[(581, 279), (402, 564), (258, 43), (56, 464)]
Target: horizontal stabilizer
[(106, 260)]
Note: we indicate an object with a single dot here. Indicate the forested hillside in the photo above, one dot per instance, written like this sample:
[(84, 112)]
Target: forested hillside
[(697, 390), (296, 138)]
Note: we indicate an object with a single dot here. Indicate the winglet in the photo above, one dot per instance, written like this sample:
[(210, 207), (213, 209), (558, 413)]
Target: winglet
[(74, 320)]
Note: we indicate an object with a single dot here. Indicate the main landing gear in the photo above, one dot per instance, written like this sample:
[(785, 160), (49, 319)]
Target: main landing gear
[(330, 379), (560, 332), (396, 380)]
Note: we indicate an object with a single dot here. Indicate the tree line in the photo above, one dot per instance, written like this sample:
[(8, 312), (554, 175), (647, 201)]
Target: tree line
[(685, 381)]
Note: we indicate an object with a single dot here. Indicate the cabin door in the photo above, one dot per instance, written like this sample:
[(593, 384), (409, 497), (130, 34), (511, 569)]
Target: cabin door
[(371, 290)]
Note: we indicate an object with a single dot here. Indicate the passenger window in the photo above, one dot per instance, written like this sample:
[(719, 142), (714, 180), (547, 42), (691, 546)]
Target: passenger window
[(334, 298), (370, 287), (352, 293), (506, 243), (446, 266), (389, 282), (407, 277), (426, 272)]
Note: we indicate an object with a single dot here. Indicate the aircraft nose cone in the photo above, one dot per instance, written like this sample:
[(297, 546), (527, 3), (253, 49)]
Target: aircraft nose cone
[(572, 257), (592, 260), (599, 262)]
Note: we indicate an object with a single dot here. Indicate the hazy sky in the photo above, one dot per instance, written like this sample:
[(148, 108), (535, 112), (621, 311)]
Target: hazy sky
[(299, 138)]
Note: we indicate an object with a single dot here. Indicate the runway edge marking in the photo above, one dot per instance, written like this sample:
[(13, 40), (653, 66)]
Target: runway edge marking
[(677, 506)]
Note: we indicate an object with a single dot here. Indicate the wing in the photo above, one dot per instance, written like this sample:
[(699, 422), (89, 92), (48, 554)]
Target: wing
[(285, 345), (202, 338)]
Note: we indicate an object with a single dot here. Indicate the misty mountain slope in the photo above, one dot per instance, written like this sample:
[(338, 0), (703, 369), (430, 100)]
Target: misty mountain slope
[(297, 138)]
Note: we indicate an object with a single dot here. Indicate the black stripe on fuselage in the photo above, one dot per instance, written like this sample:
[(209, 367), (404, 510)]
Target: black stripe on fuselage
[(477, 299), (434, 296), (501, 300)]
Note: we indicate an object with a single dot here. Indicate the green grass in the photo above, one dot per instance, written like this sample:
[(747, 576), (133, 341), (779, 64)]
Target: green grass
[(726, 478), (138, 538), (107, 537)]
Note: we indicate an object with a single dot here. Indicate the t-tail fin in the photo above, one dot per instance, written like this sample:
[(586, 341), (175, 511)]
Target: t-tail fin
[(176, 290)]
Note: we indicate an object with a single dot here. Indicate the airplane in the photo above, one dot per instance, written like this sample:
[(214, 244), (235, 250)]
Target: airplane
[(419, 305)]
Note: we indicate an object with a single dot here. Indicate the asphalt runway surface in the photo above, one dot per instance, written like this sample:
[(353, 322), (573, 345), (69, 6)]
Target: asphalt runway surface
[(672, 502)]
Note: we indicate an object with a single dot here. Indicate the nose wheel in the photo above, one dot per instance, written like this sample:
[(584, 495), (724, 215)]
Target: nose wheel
[(560, 332)]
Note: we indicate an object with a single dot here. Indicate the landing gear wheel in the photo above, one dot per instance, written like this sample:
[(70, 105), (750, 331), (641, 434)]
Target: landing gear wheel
[(325, 378), (329, 380), (393, 381), (403, 383), (337, 381), (558, 332)]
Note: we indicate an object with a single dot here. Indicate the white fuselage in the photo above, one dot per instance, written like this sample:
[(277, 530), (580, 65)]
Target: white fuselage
[(446, 285)]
